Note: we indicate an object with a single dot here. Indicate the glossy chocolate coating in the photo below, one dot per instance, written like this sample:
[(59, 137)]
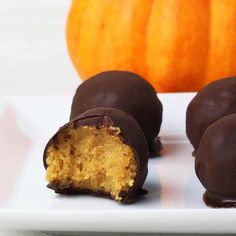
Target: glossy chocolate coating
[(211, 103), (131, 134), (125, 91), (215, 162)]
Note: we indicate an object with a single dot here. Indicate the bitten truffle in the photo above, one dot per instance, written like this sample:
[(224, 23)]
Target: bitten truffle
[(103, 152), (125, 91), (211, 103), (215, 162)]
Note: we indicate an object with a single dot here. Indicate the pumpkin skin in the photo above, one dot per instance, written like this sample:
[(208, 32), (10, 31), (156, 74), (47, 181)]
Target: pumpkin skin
[(176, 45)]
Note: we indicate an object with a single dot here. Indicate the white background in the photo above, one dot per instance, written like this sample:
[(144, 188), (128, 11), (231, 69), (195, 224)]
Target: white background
[(33, 53)]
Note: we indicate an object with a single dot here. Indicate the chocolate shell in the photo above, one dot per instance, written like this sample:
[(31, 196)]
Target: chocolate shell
[(214, 101), (125, 91), (215, 162), (97, 151)]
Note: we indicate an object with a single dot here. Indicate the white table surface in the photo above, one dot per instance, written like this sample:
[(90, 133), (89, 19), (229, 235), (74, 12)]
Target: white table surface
[(33, 56)]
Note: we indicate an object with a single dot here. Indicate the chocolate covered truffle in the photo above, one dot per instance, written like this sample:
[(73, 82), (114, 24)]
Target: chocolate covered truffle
[(215, 162), (125, 91), (102, 151), (211, 103)]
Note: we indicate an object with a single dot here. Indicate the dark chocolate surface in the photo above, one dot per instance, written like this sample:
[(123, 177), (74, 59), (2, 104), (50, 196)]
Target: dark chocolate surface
[(131, 134), (215, 162), (218, 201), (125, 91), (211, 103)]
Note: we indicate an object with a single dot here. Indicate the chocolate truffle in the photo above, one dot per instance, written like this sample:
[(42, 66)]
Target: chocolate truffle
[(211, 103), (215, 162), (102, 151), (125, 91)]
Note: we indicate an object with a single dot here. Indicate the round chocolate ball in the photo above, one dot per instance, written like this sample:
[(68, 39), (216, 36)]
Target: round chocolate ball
[(101, 152), (215, 162), (211, 103), (125, 91)]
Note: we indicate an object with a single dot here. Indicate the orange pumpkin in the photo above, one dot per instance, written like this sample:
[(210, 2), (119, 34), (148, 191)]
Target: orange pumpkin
[(177, 45)]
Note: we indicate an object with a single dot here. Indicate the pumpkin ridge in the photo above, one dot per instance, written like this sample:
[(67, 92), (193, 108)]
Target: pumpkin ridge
[(222, 49), (194, 49), (108, 37), (139, 34)]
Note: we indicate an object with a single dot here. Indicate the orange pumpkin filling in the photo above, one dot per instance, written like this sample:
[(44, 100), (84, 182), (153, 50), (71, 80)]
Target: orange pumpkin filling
[(92, 159)]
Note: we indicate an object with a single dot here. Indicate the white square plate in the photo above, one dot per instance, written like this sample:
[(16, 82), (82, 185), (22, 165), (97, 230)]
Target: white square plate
[(174, 202)]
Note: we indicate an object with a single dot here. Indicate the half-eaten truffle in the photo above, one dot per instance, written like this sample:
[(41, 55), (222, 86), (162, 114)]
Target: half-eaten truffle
[(103, 151)]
